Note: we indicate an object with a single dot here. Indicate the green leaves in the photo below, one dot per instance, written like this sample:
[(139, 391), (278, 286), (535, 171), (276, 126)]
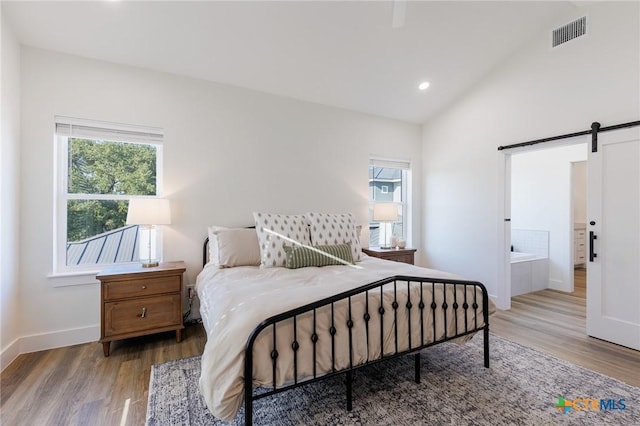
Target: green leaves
[(105, 168), (86, 218)]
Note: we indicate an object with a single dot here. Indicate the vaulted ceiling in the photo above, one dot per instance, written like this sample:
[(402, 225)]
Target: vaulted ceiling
[(343, 54)]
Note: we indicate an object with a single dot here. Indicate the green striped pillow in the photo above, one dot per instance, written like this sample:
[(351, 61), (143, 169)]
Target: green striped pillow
[(303, 256)]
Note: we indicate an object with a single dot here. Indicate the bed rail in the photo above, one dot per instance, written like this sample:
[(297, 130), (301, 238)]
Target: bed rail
[(421, 295)]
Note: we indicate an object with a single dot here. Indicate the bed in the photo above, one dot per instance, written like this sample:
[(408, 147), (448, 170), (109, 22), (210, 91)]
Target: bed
[(270, 329)]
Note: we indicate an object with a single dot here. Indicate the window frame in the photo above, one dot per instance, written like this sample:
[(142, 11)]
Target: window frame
[(405, 203), (113, 132)]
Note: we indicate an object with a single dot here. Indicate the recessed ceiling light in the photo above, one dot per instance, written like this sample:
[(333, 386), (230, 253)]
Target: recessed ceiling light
[(424, 85)]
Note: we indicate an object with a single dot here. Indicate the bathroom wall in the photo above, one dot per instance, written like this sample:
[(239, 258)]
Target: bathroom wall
[(579, 191), (530, 241)]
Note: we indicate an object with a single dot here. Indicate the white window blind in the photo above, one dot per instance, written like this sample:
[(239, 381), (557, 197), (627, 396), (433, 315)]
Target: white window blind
[(89, 129), (393, 164)]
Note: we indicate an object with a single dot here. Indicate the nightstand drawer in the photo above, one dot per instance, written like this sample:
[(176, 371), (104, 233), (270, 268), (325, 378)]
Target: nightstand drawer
[(142, 314), (141, 287), (404, 255), (406, 258)]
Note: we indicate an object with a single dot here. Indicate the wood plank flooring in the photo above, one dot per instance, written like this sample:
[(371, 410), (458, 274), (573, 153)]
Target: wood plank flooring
[(555, 322), (76, 385)]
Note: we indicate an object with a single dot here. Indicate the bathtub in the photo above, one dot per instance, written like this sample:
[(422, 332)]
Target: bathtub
[(529, 272), (517, 256)]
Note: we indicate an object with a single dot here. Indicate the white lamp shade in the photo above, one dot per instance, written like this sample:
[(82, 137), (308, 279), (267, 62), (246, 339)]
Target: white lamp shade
[(385, 212), (149, 211)]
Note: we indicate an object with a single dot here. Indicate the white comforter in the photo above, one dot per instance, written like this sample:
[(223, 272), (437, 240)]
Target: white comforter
[(234, 301)]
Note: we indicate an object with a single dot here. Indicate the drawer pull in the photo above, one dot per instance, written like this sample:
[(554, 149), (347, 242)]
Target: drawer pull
[(144, 287), (144, 313)]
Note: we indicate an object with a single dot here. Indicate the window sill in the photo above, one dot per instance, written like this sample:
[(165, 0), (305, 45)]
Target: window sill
[(66, 279)]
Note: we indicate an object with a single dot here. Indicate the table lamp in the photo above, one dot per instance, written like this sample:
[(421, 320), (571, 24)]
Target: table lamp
[(384, 213), (149, 212)]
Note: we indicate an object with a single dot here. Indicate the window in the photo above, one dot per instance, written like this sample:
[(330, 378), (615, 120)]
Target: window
[(388, 183), (100, 167)]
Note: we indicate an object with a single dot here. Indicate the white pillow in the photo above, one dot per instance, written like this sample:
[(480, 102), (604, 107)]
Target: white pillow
[(331, 229), (213, 244), (274, 230), (236, 247)]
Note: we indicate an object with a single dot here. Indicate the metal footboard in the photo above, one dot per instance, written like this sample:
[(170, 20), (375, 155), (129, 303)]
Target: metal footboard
[(424, 313)]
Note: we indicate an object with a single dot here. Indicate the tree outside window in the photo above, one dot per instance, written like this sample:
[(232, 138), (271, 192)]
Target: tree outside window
[(105, 168)]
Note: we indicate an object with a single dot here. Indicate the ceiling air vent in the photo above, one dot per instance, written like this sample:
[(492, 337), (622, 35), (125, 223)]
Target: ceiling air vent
[(568, 32)]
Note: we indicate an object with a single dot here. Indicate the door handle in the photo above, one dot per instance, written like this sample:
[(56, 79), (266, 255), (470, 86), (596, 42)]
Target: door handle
[(592, 253)]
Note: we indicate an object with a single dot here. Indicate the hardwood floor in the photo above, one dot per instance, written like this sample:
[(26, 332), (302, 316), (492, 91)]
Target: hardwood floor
[(555, 322), (77, 385)]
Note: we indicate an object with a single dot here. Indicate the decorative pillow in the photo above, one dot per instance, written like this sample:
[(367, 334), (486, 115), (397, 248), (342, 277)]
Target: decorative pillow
[(274, 230), (331, 229), (234, 247), (304, 256)]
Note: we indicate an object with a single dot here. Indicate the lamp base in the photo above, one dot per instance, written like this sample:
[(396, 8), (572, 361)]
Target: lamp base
[(151, 264), (385, 247)]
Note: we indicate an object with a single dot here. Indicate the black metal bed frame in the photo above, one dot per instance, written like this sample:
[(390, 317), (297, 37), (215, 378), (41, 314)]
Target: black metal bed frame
[(427, 307)]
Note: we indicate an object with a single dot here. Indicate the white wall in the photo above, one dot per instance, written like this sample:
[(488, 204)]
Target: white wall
[(541, 199), (228, 152), (9, 196), (579, 192), (537, 93)]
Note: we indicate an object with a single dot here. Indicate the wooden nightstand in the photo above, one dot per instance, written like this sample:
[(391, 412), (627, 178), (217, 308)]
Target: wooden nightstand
[(397, 255), (135, 301)]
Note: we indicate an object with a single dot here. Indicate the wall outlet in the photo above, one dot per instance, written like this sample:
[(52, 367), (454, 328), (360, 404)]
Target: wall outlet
[(190, 292)]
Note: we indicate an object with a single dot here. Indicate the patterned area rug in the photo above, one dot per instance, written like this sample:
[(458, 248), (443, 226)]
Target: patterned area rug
[(522, 387)]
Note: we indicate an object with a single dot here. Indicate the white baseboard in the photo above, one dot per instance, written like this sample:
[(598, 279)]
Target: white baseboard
[(58, 339), (494, 299), (44, 341), (555, 284), (9, 354)]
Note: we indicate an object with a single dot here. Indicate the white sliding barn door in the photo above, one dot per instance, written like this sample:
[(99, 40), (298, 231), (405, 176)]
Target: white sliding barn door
[(613, 236)]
